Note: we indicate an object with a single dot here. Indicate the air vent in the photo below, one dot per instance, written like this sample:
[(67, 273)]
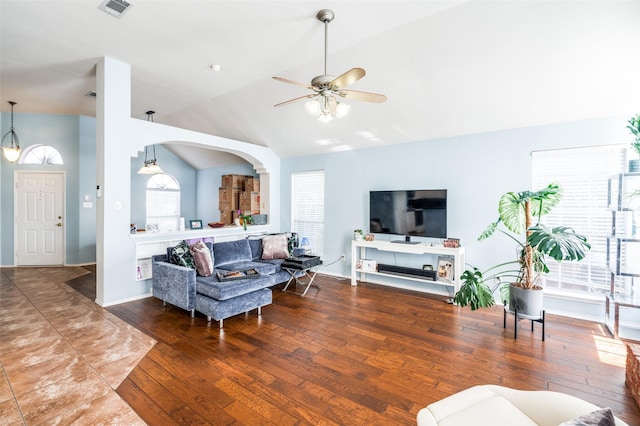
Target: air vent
[(115, 7)]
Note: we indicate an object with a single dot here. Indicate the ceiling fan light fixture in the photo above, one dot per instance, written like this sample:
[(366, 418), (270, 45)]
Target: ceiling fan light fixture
[(325, 117), (324, 102), (313, 107), (342, 109), (12, 151)]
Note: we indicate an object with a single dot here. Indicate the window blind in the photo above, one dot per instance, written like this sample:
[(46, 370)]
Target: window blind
[(307, 207), (583, 175)]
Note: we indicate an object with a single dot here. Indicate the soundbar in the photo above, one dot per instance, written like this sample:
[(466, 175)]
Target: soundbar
[(406, 271)]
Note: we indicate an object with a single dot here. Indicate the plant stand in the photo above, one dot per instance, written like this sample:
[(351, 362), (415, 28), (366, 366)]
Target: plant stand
[(518, 316)]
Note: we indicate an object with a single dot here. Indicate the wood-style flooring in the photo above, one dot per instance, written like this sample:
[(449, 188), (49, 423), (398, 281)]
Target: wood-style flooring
[(365, 355)]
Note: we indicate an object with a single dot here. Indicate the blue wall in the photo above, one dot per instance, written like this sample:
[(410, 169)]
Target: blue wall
[(170, 164), (74, 138), (475, 169), (209, 180)]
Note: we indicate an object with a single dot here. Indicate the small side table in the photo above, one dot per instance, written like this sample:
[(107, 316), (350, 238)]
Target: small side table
[(298, 267), (518, 316)]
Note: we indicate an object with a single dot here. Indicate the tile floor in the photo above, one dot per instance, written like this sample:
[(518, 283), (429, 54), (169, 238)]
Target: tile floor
[(61, 355)]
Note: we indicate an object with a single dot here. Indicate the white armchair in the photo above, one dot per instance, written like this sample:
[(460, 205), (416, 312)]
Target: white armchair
[(491, 405)]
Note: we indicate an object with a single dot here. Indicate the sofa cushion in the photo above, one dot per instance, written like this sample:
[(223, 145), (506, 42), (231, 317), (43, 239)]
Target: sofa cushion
[(275, 247), (228, 252), (221, 309), (602, 417), (495, 411), (256, 248), (212, 287), (202, 258), (180, 255)]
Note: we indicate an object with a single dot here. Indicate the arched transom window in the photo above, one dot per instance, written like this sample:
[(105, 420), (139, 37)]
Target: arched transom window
[(40, 154)]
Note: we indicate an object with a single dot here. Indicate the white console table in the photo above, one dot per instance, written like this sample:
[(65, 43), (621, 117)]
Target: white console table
[(418, 249)]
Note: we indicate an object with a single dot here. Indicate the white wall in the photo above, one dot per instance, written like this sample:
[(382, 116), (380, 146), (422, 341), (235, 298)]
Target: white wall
[(118, 138)]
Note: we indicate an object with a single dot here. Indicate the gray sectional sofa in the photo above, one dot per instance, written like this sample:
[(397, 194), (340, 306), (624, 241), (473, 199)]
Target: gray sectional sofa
[(183, 287)]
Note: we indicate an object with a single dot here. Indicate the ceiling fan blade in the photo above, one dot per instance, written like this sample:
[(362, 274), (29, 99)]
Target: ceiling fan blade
[(348, 78), (290, 101), (362, 96), (285, 80)]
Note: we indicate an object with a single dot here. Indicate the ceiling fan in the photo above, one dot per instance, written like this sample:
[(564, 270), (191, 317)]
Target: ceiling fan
[(323, 102)]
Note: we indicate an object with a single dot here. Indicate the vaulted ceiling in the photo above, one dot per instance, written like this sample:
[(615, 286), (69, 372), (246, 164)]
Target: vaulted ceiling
[(448, 68)]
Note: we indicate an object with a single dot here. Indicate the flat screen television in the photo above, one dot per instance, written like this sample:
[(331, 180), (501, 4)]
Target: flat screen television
[(420, 213)]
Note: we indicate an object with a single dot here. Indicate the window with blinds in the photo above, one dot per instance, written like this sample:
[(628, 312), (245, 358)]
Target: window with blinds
[(583, 174), (307, 208), (163, 202)]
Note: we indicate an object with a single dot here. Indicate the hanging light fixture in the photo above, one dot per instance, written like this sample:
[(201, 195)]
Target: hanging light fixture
[(12, 152), (323, 103), (150, 167), (325, 106)]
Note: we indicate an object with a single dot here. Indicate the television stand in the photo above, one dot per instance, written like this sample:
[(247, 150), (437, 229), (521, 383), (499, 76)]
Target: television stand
[(362, 249)]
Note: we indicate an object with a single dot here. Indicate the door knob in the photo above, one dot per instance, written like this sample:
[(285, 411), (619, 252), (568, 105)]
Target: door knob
[(58, 224)]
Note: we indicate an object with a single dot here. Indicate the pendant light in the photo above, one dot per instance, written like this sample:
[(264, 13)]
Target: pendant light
[(150, 167), (11, 153)]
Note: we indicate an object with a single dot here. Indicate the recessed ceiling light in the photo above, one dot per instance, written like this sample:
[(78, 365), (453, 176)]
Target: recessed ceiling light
[(215, 67)]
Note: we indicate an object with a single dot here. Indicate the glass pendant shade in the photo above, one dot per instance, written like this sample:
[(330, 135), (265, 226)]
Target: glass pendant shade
[(313, 107), (150, 168), (12, 150), (326, 108), (11, 154), (342, 110)]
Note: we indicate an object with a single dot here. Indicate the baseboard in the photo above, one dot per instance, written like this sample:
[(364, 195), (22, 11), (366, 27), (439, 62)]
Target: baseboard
[(119, 302)]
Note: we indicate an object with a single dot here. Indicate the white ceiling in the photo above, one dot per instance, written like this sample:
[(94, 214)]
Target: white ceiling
[(448, 68)]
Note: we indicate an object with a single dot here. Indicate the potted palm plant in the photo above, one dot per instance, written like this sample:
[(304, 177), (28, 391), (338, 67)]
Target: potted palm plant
[(535, 242)]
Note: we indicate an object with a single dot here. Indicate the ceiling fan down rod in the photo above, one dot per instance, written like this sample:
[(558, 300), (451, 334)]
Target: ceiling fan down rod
[(325, 16)]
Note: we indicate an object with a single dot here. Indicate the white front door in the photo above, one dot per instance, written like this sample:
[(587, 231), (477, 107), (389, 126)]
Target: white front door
[(39, 218)]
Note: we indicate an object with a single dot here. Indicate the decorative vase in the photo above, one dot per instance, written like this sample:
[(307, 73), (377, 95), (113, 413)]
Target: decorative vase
[(528, 302), (357, 235)]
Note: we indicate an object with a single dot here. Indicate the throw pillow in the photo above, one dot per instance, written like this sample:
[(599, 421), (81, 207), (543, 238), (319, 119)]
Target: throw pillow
[(192, 241), (275, 247), (202, 258), (181, 256), (602, 417)]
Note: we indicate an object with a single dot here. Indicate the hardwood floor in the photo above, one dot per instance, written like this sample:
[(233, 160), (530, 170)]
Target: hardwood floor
[(356, 355)]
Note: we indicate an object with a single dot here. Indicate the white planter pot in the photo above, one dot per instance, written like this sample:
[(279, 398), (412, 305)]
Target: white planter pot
[(528, 302)]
